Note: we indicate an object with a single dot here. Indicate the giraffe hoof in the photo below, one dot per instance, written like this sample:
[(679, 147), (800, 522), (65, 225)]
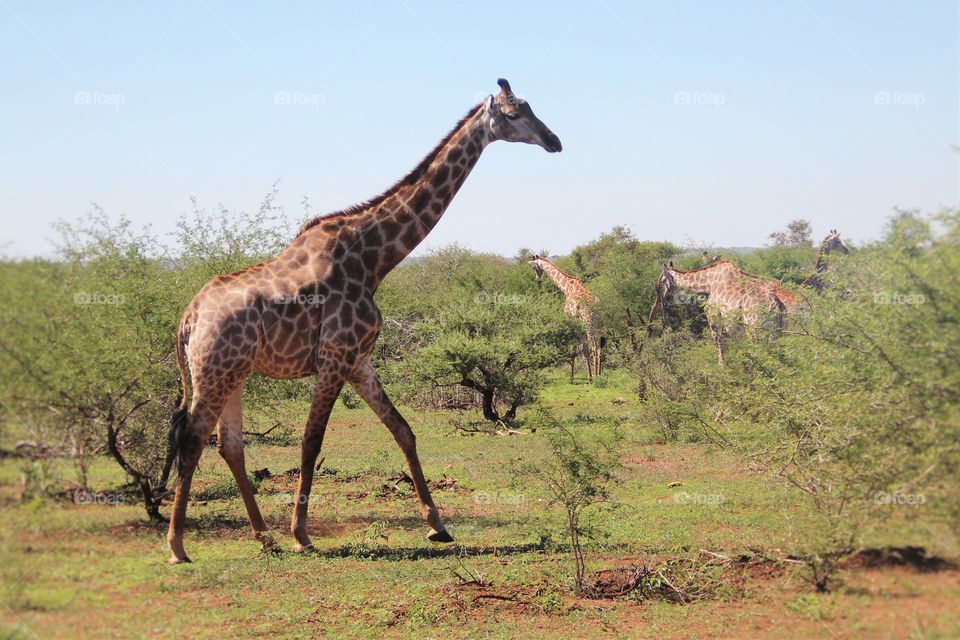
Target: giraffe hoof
[(304, 548), (439, 536), (270, 549), (268, 544), (175, 560)]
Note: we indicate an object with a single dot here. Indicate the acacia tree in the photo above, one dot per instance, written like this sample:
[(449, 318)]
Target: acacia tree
[(621, 270), (498, 345), (91, 360), (798, 234)]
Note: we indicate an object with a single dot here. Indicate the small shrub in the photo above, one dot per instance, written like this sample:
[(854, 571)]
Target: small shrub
[(576, 475)]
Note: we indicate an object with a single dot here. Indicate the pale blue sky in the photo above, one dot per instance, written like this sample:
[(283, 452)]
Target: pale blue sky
[(692, 122)]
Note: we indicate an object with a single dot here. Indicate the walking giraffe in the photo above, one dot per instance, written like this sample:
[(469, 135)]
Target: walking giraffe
[(831, 243), (730, 293), (310, 311), (578, 303)]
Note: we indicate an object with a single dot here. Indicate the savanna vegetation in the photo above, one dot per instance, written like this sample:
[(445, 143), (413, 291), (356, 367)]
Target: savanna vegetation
[(815, 474)]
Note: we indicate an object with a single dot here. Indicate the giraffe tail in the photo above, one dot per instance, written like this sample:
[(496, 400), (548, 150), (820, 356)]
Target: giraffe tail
[(180, 417)]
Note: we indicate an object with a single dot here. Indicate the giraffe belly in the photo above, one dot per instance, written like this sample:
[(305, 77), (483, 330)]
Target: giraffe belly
[(284, 366), (288, 344)]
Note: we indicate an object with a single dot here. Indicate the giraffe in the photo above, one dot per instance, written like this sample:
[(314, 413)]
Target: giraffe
[(730, 292), (832, 242), (707, 260), (310, 311), (579, 303)]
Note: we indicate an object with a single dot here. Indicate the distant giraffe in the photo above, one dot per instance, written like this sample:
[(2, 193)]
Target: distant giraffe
[(707, 260), (310, 311), (831, 243), (579, 303), (731, 293)]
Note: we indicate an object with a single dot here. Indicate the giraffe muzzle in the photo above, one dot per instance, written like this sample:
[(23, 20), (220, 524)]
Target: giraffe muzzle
[(553, 143)]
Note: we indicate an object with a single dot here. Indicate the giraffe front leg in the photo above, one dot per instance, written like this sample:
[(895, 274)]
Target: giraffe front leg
[(324, 395), (595, 354), (368, 386), (717, 339), (588, 360)]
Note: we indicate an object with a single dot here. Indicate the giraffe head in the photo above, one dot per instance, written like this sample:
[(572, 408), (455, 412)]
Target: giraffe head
[(538, 266), (510, 118), (664, 288), (833, 243), (666, 282)]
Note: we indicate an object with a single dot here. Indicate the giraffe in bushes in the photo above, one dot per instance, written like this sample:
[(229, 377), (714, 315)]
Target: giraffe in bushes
[(730, 294), (579, 303), (310, 311), (707, 260), (832, 242), (756, 293)]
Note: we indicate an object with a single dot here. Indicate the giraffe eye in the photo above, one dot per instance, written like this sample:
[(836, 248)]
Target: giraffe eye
[(513, 115)]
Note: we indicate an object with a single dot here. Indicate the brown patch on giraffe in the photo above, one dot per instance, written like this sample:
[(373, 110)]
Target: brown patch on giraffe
[(440, 177)]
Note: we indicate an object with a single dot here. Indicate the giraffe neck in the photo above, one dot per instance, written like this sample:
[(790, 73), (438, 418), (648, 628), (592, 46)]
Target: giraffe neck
[(821, 264), (390, 230), (699, 281), (568, 285)]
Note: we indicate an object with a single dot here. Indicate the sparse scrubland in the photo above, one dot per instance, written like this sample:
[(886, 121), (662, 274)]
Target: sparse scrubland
[(808, 488)]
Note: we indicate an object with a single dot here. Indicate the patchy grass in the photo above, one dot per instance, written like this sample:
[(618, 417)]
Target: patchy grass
[(82, 570)]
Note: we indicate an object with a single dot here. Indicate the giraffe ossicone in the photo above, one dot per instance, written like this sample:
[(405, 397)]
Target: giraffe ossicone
[(310, 311)]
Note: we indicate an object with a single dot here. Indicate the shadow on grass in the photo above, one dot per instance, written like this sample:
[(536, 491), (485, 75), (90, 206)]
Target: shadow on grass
[(378, 552), (915, 558)]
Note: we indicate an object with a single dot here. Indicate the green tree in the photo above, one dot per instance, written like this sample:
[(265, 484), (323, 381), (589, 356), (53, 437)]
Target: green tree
[(91, 359), (799, 233), (88, 366), (497, 344), (622, 271)]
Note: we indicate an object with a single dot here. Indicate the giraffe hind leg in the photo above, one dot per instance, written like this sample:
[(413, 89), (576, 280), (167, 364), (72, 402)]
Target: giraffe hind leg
[(230, 448), (193, 435)]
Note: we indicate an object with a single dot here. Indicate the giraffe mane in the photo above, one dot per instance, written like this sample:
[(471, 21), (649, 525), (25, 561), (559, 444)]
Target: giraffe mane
[(710, 266), (409, 179), (562, 272)]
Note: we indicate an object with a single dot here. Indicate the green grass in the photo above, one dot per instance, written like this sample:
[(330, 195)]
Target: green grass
[(72, 570)]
